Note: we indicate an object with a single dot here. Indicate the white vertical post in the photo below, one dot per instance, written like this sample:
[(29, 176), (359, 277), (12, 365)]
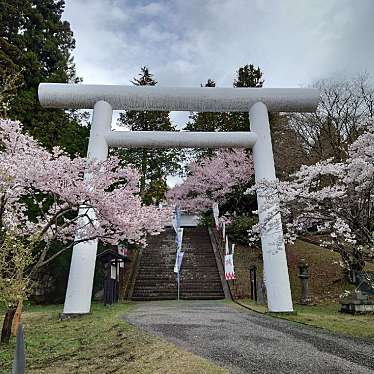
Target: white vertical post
[(273, 250), (82, 267)]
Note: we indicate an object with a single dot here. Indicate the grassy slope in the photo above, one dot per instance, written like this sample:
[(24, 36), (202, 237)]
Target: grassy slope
[(326, 279), (97, 343), (326, 316)]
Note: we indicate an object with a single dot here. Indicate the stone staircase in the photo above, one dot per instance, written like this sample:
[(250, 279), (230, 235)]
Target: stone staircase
[(199, 277)]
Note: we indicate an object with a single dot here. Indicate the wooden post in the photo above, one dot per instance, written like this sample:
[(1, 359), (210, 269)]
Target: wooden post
[(7, 325), (17, 318)]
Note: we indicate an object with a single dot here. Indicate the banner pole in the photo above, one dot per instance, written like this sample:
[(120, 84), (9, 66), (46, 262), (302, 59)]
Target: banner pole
[(178, 283)]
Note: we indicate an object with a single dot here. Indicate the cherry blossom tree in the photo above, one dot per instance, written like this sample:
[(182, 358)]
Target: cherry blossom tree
[(333, 199), (45, 197), (212, 179)]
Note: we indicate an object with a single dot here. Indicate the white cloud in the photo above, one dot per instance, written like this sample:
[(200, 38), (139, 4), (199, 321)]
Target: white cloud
[(186, 42)]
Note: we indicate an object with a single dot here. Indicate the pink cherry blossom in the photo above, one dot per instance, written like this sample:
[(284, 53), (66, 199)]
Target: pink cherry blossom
[(210, 180), (64, 192)]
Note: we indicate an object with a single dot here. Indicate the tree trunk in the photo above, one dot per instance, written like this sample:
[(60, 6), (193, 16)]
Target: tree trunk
[(7, 325), (143, 174), (354, 263)]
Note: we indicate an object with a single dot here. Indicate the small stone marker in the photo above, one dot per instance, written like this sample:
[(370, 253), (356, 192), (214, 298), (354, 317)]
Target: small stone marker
[(261, 290), (253, 281)]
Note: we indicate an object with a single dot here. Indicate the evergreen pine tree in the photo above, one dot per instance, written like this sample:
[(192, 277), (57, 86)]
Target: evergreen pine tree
[(205, 121), (154, 164), (208, 121), (247, 76), (36, 42), (250, 77)]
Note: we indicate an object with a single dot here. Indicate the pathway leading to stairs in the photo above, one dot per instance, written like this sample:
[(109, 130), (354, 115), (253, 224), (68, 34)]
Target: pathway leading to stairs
[(247, 342)]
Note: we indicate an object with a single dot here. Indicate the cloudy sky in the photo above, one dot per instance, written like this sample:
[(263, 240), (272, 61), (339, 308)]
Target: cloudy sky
[(185, 42)]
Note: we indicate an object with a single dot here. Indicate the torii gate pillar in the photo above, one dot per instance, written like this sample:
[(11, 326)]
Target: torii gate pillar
[(273, 251), (82, 268)]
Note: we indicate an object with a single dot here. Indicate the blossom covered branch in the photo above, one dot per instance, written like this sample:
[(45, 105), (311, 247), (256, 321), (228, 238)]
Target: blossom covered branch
[(49, 196), (210, 180), (333, 199)]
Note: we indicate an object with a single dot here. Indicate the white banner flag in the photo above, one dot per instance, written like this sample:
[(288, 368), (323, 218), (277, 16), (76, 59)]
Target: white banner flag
[(176, 220), (178, 262), (227, 251), (223, 230), (216, 214), (179, 238), (229, 267), (174, 223)]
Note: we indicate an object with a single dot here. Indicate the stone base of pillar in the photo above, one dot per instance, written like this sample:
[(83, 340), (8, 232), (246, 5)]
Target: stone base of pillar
[(67, 316), (293, 313)]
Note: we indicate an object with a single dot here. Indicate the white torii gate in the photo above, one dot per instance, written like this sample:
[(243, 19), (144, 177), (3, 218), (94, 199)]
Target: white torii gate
[(103, 99)]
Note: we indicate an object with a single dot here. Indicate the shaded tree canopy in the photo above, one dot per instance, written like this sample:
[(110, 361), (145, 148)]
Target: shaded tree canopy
[(36, 42), (345, 109)]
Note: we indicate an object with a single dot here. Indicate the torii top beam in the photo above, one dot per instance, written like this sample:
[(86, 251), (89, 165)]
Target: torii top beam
[(202, 99)]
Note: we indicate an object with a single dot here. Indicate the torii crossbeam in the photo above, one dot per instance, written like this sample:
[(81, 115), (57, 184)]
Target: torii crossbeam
[(257, 101)]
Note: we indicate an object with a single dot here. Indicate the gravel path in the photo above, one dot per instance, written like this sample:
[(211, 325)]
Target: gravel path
[(247, 342)]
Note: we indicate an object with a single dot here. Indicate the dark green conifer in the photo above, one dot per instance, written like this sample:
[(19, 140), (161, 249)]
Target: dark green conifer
[(154, 164), (36, 42)]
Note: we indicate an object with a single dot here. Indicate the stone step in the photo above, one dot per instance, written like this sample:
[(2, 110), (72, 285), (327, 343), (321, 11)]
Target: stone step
[(200, 279), (157, 268), (202, 297), (187, 283), (150, 298), (192, 286), (183, 275), (174, 287), (182, 292), (142, 292), (189, 256), (171, 259)]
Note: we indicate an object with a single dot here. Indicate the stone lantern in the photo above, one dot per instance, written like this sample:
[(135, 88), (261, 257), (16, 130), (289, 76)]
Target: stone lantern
[(304, 276)]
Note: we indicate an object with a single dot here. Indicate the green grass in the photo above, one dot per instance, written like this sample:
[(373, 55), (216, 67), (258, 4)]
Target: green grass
[(326, 316), (97, 343), (329, 318), (253, 306)]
